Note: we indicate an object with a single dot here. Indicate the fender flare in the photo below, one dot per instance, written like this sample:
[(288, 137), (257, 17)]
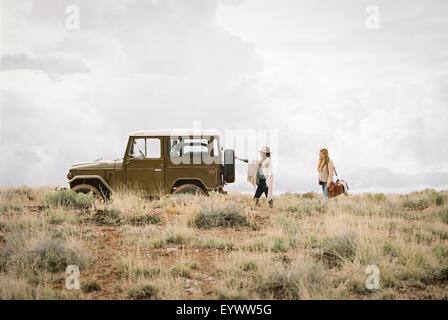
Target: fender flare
[(195, 178), (101, 179)]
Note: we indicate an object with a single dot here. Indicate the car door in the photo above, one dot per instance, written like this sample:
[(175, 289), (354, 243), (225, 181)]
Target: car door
[(144, 164)]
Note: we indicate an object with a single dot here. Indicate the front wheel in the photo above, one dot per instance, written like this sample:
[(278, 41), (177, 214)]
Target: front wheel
[(88, 189), (189, 189)]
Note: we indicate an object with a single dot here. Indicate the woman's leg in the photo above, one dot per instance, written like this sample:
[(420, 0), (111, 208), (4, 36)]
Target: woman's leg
[(325, 189), (258, 193)]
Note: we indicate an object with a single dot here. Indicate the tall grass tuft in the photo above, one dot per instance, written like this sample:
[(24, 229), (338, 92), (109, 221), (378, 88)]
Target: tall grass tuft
[(219, 213)]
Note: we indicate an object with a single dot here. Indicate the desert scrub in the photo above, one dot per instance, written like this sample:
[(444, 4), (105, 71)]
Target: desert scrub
[(90, 285), (55, 255), (11, 200), (48, 254), (174, 238), (58, 215), (187, 240), (12, 288), (141, 220), (180, 270), (69, 199), (289, 225), (302, 279), (336, 250), (146, 291), (302, 206), (443, 214), (376, 197), (219, 213), (424, 199), (106, 217), (274, 244), (134, 266)]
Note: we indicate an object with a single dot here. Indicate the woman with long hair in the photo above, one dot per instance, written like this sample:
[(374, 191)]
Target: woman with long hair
[(326, 170)]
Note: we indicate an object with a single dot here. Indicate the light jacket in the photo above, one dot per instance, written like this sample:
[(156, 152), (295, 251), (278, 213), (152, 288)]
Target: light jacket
[(266, 167)]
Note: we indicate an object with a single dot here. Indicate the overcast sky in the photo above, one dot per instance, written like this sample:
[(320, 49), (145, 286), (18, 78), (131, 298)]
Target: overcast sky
[(311, 73)]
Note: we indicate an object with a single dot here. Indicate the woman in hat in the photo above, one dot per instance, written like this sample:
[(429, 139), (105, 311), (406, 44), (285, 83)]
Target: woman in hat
[(326, 170), (260, 173)]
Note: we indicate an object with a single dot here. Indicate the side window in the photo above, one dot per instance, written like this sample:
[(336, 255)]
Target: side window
[(175, 147), (153, 148), (184, 148), (137, 149), (145, 148)]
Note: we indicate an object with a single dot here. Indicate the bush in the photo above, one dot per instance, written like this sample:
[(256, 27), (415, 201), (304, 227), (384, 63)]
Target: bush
[(309, 195), (219, 215), (107, 217), (143, 292), (70, 199), (437, 199), (376, 197), (55, 255), (419, 204), (443, 214), (141, 220), (292, 282), (90, 285), (337, 249)]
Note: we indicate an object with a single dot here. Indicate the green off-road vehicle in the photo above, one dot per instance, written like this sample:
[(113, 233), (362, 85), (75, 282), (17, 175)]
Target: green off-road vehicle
[(160, 162)]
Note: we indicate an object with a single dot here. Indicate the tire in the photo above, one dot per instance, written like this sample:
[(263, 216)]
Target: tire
[(229, 166), (88, 189), (189, 189)]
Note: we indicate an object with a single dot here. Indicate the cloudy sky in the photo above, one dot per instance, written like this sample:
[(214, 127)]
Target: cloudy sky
[(371, 86)]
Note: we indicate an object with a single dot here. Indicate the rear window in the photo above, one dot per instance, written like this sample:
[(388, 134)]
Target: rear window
[(182, 148)]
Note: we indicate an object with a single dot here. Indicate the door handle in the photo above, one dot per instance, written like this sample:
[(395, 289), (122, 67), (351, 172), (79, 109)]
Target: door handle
[(157, 170)]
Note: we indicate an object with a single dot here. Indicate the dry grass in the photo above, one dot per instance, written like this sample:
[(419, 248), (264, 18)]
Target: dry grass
[(222, 247)]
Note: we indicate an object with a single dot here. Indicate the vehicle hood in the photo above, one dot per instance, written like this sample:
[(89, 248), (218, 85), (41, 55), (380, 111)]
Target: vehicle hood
[(99, 164)]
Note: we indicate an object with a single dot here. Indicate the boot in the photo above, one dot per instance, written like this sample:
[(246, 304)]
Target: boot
[(271, 203), (256, 201)]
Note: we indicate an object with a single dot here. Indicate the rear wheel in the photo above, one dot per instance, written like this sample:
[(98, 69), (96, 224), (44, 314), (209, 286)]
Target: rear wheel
[(189, 189), (88, 189)]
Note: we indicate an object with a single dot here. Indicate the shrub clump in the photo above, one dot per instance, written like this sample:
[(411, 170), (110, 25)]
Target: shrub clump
[(107, 217), (219, 215), (141, 220), (337, 249), (70, 199), (54, 255), (143, 292), (376, 197), (90, 285), (293, 281), (443, 213)]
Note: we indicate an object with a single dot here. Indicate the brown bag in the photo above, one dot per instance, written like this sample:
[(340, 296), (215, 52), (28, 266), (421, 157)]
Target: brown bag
[(337, 188)]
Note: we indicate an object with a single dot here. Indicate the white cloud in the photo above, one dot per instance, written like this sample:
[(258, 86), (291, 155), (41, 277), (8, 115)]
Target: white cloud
[(376, 99)]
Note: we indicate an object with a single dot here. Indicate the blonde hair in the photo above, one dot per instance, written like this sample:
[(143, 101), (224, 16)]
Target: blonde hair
[(324, 160)]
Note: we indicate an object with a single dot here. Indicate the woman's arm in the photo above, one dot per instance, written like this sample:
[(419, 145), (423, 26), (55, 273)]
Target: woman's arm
[(241, 159), (330, 171)]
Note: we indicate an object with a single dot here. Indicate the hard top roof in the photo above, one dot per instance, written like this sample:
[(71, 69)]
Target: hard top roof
[(175, 132)]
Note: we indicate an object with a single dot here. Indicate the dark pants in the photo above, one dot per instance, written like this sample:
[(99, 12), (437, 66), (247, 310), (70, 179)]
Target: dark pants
[(262, 187)]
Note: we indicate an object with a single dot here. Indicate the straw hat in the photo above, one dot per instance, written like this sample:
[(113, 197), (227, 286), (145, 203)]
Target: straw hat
[(265, 149)]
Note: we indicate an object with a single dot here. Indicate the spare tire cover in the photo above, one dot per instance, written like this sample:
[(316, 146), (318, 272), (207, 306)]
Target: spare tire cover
[(229, 165)]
